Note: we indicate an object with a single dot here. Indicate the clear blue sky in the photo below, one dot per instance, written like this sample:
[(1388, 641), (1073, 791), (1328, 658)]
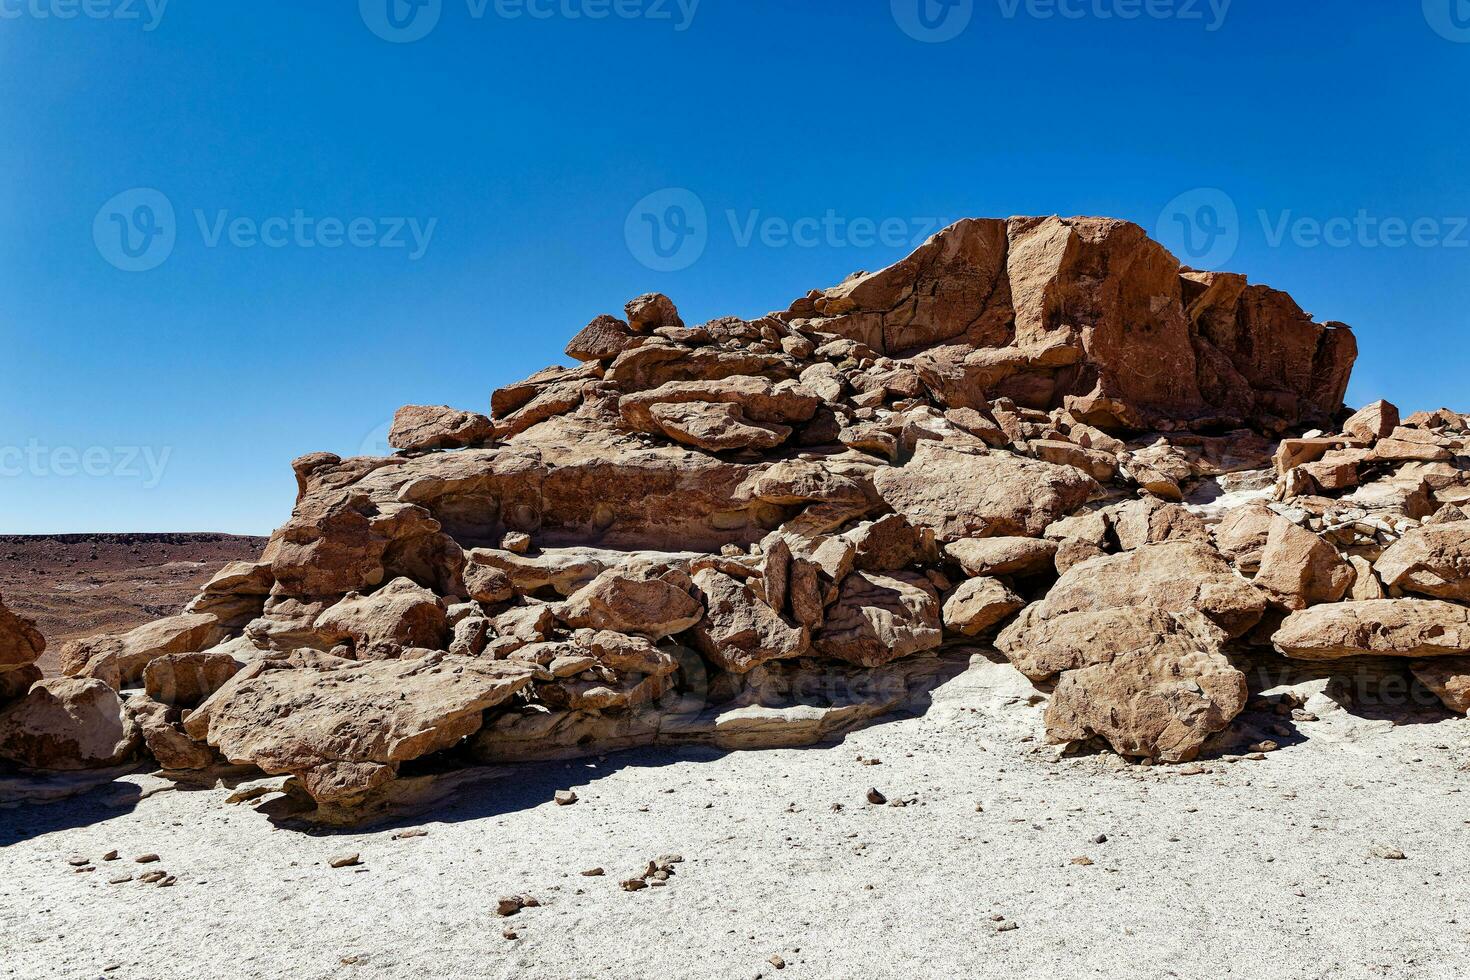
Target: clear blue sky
[(174, 398)]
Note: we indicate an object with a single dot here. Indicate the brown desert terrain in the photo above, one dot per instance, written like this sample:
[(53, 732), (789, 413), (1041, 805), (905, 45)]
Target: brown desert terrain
[(76, 585)]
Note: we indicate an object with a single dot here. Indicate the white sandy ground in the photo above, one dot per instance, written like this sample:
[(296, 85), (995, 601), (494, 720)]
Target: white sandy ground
[(1251, 870)]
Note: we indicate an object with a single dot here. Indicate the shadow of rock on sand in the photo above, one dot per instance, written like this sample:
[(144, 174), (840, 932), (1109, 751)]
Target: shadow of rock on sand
[(521, 760)]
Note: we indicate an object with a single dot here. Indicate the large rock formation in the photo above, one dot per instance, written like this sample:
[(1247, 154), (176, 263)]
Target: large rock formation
[(759, 532)]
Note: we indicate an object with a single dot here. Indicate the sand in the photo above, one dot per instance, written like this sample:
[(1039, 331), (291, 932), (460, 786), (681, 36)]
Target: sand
[(1247, 869)]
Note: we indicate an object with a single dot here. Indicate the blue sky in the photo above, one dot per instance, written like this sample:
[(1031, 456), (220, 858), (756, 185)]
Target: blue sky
[(363, 220)]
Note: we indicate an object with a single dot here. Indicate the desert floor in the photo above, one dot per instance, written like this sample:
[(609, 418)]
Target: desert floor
[(1267, 868)]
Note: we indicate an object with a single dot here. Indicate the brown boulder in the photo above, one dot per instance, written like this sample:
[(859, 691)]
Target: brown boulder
[(164, 737), (716, 427), (120, 658), (1381, 627), (1433, 560), (1448, 678), (1003, 556), (401, 615), (1157, 705), (978, 604), (652, 311), (186, 679), (1372, 422), (880, 618), (1042, 646), (739, 632), (343, 728), (21, 644), (649, 601), (1299, 569), (981, 495), (417, 427), (68, 723), (1176, 576), (601, 340)]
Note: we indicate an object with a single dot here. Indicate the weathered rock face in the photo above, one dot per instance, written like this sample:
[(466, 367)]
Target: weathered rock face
[(21, 644), (1384, 627), (1448, 678), (438, 427), (343, 728), (1176, 576), (1157, 705), (68, 723), (121, 658), (981, 495), (1090, 315), (659, 542), (1431, 561)]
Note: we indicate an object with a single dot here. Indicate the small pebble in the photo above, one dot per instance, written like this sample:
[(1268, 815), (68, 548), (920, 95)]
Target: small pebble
[(565, 797), (876, 798), (345, 861)]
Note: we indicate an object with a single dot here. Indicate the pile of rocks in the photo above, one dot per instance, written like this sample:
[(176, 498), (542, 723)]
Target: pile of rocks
[(1039, 432)]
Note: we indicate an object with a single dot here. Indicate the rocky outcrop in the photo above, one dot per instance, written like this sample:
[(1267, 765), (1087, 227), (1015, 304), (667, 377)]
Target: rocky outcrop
[(350, 724), (1042, 430)]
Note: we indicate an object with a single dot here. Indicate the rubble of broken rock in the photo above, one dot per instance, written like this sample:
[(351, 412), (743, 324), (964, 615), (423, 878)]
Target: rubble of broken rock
[(1041, 436)]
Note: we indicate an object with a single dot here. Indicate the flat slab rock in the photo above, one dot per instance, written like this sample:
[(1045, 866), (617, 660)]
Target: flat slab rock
[(343, 728), (982, 495), (1385, 627)]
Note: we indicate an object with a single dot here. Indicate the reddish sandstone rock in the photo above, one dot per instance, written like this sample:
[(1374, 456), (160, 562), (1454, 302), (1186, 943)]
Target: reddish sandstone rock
[(417, 427), (119, 659), (1432, 560), (1448, 678), (1383, 627), (399, 616), (881, 618), (343, 728), (1155, 705), (981, 495), (648, 601), (21, 644), (68, 723), (1176, 576), (978, 604), (739, 631)]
